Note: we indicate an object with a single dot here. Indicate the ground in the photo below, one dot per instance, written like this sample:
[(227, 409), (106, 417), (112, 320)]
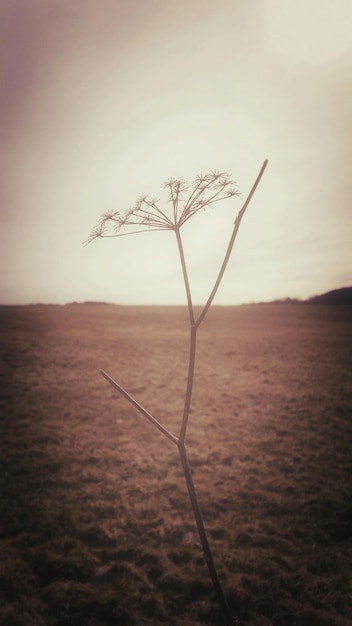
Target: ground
[(96, 527)]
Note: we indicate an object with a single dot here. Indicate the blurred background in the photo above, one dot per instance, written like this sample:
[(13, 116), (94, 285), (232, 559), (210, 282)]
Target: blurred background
[(104, 101)]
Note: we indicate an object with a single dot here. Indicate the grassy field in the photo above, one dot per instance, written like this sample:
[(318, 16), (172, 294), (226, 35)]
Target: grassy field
[(95, 523)]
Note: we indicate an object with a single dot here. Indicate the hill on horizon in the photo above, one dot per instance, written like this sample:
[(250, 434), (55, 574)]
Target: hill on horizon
[(336, 296)]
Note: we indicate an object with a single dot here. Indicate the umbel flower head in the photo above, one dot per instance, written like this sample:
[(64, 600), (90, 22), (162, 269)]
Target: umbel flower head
[(184, 200)]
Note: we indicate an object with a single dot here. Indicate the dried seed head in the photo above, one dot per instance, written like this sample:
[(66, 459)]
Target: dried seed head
[(185, 200)]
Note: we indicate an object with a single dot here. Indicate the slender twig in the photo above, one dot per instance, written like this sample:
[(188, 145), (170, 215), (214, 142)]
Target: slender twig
[(202, 532), (190, 378), (193, 338), (185, 275), (230, 245), (138, 406), (200, 188)]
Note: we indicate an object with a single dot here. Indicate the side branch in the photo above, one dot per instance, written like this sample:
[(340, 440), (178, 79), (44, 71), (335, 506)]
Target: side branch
[(138, 406), (230, 245)]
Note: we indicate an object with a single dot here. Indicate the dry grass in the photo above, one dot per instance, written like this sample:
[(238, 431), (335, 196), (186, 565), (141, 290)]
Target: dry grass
[(95, 523)]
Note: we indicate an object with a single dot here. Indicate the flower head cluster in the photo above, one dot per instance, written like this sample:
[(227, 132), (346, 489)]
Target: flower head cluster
[(184, 200)]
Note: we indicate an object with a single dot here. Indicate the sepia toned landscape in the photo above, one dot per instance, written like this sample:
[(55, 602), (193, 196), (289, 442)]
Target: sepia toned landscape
[(96, 527)]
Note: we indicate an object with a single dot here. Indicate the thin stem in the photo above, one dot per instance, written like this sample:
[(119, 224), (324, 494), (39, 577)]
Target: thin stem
[(230, 245), (154, 206), (181, 443), (207, 203), (134, 232), (193, 339), (196, 193), (217, 193), (185, 275), (190, 378), (202, 532), (139, 407), (174, 199), (200, 189)]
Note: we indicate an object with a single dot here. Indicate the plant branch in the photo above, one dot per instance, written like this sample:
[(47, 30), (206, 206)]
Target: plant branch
[(153, 205), (195, 195), (139, 407), (193, 338), (231, 243), (190, 378), (185, 275), (202, 532), (147, 215), (199, 190)]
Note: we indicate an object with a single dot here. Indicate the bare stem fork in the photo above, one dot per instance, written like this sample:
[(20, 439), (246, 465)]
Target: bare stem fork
[(194, 325)]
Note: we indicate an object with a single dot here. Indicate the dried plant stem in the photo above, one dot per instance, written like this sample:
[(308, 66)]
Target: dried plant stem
[(190, 379), (191, 490), (231, 244), (193, 338), (185, 275), (180, 441), (138, 406), (202, 532)]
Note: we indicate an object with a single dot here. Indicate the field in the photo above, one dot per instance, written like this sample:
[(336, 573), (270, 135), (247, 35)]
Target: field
[(96, 527)]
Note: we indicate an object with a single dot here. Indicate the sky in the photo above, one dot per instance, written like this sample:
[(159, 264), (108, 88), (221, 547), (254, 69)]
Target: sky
[(102, 101)]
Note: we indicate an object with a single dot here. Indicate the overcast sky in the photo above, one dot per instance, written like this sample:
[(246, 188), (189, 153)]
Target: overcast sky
[(103, 100)]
